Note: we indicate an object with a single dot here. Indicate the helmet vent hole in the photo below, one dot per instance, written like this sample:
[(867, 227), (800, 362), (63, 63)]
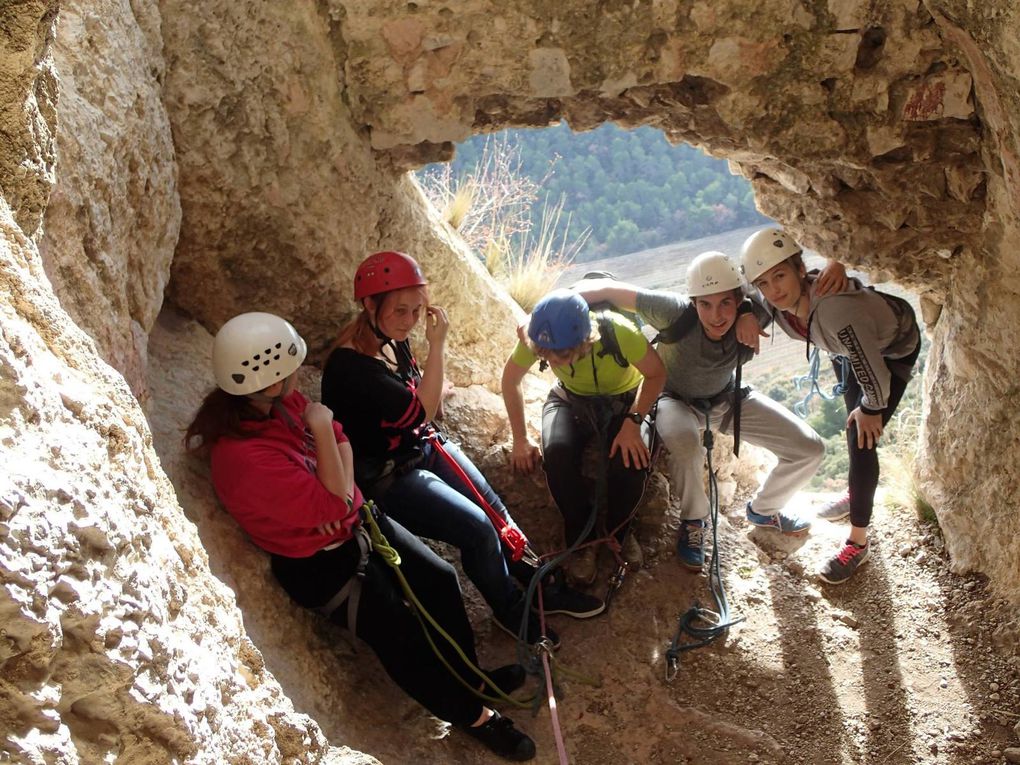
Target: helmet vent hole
[(254, 369), (277, 346), (237, 378), (244, 363), (266, 351), (276, 357), (256, 357), (292, 351)]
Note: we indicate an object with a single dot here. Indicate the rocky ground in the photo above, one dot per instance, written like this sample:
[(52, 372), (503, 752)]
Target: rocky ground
[(907, 663)]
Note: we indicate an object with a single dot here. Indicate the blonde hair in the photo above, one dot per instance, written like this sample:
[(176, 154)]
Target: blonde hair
[(575, 353)]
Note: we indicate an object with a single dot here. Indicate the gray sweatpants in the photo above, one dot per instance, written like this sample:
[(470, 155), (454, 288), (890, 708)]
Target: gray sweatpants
[(763, 423)]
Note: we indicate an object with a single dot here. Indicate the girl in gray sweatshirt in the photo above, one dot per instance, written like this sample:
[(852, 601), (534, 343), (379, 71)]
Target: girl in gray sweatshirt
[(874, 341)]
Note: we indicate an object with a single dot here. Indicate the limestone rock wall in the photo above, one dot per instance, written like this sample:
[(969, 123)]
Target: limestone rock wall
[(28, 115), (970, 464), (112, 221), (117, 642), (281, 191)]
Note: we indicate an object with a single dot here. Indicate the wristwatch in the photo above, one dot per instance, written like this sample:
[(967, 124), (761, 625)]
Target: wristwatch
[(635, 417)]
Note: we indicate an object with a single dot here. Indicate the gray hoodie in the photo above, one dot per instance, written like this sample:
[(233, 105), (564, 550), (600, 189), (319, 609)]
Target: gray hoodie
[(871, 329)]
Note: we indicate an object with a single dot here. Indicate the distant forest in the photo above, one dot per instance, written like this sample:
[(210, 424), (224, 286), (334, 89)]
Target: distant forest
[(631, 188)]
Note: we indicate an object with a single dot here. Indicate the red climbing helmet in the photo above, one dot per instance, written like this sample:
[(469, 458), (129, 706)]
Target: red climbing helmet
[(385, 271)]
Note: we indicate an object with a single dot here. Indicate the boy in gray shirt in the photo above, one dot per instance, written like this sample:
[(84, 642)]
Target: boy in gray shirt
[(700, 366)]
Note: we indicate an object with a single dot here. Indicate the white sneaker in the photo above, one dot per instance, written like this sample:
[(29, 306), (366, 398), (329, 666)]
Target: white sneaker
[(835, 510)]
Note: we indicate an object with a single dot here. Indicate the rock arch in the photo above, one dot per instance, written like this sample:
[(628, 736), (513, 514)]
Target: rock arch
[(265, 146)]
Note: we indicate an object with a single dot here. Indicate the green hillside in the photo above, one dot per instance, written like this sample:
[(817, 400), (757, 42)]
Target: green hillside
[(632, 189)]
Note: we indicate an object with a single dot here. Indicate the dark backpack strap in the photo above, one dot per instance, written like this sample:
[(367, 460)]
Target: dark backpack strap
[(610, 345), (737, 398), (679, 327)]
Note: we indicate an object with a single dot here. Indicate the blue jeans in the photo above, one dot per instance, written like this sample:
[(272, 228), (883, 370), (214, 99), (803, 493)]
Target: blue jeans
[(432, 501)]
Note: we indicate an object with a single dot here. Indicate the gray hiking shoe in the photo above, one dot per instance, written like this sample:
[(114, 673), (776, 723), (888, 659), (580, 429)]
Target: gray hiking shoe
[(843, 564), (836, 509), (787, 524)]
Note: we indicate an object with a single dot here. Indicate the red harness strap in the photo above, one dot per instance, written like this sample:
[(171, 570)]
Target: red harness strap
[(511, 536)]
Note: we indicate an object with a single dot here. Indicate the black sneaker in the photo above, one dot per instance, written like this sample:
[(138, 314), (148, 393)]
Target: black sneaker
[(506, 679), (510, 623), (501, 737), (561, 598)]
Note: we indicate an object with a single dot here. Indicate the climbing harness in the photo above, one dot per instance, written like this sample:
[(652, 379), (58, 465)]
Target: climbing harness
[(702, 625), (351, 591), (802, 407), (599, 415)]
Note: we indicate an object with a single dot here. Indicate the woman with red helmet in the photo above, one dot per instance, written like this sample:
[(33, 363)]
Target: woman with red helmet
[(387, 404)]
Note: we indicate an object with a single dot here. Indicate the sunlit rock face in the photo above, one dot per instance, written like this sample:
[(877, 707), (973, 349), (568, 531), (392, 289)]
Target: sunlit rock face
[(282, 192), (112, 221), (117, 643), (882, 133)]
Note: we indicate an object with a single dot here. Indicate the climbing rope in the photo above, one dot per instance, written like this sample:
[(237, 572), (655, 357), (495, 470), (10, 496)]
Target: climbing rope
[(701, 625), (802, 407), (391, 557)]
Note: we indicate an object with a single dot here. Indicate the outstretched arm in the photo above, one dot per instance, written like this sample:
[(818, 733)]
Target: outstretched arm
[(620, 294)]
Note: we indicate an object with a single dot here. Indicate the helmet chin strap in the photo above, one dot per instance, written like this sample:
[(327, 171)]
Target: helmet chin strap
[(386, 339), (275, 404)]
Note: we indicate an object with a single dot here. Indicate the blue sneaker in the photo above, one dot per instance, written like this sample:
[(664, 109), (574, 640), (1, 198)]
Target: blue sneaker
[(690, 544), (788, 524)]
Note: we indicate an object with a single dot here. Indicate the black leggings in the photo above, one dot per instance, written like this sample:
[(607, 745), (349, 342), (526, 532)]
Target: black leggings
[(863, 475), (388, 625), (566, 430)]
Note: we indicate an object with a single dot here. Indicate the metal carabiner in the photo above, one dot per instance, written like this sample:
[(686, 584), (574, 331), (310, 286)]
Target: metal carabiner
[(672, 667)]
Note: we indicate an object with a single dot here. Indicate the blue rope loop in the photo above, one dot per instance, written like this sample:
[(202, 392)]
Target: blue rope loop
[(802, 407)]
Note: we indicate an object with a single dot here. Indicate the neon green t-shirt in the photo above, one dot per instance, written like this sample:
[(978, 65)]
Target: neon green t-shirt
[(612, 378)]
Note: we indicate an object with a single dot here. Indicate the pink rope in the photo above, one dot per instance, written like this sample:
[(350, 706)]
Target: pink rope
[(561, 749)]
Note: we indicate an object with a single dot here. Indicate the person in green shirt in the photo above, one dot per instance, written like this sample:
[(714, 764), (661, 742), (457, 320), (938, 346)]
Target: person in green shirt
[(606, 386)]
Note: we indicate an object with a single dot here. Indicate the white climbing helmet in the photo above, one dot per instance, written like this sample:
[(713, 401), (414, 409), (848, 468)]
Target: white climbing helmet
[(254, 350), (765, 249), (712, 272)]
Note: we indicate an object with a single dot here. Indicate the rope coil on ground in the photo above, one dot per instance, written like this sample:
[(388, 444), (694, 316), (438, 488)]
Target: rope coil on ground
[(719, 621)]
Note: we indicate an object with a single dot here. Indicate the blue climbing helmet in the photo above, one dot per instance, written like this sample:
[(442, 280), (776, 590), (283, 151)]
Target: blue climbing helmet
[(559, 321)]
